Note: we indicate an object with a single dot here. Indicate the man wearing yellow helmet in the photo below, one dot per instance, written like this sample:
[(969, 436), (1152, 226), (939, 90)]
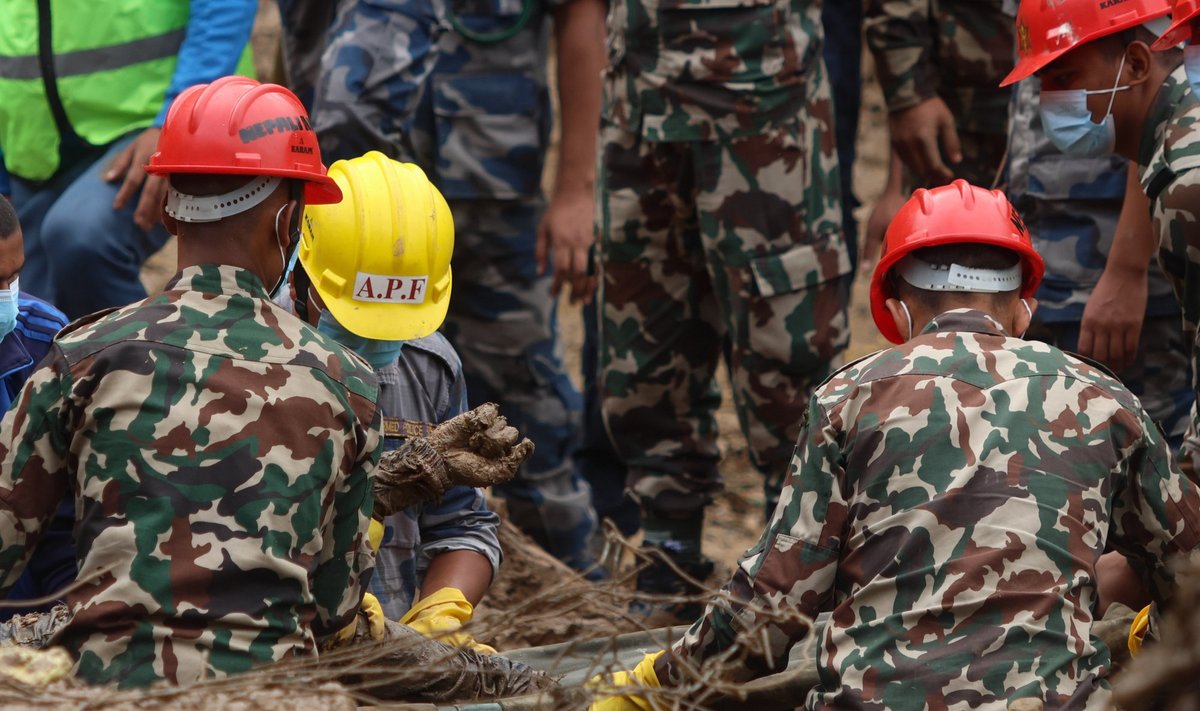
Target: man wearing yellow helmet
[(374, 274)]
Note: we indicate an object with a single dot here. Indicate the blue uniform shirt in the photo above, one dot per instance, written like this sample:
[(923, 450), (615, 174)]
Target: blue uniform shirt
[(52, 566), (423, 388)]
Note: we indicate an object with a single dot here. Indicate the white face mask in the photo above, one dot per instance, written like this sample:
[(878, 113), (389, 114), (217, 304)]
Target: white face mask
[(1030, 312), (907, 317)]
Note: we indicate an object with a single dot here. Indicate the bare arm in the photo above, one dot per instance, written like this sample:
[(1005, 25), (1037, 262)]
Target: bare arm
[(1112, 319), (566, 233), (467, 571)]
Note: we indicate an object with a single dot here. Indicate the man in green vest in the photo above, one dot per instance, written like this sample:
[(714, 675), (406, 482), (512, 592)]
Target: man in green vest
[(84, 88)]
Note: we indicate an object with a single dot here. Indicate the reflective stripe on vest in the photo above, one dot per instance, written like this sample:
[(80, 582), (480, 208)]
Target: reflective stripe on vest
[(112, 61), (100, 59)]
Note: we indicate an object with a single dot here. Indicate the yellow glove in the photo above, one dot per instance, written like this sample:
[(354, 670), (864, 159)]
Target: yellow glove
[(643, 675), (375, 622), (374, 611), (1137, 630), (375, 534), (440, 616)]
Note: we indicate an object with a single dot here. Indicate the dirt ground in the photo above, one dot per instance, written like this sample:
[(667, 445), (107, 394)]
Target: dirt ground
[(734, 522)]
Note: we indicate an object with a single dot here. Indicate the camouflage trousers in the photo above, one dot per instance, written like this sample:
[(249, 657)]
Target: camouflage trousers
[(503, 323), (304, 25), (1160, 375), (707, 252)]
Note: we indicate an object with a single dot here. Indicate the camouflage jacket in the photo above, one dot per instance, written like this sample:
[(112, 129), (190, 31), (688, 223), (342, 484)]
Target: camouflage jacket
[(958, 50), (220, 454), (947, 503), (686, 70), (1168, 157), (423, 388)]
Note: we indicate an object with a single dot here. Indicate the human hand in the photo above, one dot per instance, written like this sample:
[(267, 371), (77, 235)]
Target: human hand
[(370, 612), (643, 676), (923, 135), (130, 164), (480, 448), (566, 234), (1112, 319), (440, 617), (885, 209), (376, 621)]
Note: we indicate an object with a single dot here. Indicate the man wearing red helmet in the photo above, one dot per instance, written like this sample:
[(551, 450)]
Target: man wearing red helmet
[(948, 499), (218, 449), (1105, 91)]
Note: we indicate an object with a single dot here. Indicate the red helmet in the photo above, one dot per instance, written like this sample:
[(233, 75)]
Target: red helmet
[(238, 126), (1048, 29), (1183, 12), (951, 214)]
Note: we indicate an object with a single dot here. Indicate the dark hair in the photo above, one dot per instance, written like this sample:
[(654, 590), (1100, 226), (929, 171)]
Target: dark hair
[(9, 224), (964, 254), (1115, 44)]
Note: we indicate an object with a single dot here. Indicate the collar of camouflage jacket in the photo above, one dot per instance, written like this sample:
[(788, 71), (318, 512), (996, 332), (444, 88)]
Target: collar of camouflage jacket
[(219, 279), (965, 320), (1166, 104)]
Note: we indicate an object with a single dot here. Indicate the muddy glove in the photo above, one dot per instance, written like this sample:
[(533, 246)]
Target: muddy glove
[(476, 448), (643, 676), (441, 615)]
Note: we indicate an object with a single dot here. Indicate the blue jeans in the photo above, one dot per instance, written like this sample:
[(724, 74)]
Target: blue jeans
[(80, 254)]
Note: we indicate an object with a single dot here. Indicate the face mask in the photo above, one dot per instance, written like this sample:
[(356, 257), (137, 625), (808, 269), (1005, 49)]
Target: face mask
[(1030, 312), (907, 317), (1068, 122), (1191, 64), (8, 308), (378, 353), (287, 258)]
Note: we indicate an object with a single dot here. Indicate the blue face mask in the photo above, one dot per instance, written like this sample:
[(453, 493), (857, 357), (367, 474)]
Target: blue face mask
[(378, 353), (1068, 121), (8, 308), (1191, 64)]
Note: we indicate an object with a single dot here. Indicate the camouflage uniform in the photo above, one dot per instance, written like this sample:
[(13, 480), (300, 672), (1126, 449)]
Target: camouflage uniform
[(397, 78), (421, 389), (720, 222), (219, 452), (1168, 160), (947, 503), (304, 25), (957, 50), (1071, 206)]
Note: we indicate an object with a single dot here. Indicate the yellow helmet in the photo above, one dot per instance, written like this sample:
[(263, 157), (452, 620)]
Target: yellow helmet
[(380, 258)]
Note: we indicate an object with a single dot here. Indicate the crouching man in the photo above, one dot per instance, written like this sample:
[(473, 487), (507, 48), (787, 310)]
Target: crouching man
[(218, 450), (948, 499)]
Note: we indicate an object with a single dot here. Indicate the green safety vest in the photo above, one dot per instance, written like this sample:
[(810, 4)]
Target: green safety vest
[(112, 63)]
